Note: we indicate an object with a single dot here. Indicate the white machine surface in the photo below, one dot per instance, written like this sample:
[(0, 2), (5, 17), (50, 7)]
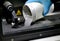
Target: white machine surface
[(53, 38)]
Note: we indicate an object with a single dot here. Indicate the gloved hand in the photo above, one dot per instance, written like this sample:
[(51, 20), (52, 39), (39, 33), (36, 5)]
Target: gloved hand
[(46, 4)]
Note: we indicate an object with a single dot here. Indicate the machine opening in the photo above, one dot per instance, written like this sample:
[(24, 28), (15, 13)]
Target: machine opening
[(27, 10)]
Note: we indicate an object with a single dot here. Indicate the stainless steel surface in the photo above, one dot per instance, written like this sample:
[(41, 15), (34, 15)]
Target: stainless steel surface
[(53, 38)]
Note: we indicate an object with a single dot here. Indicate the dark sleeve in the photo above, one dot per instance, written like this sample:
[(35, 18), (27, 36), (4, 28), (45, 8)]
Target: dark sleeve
[(54, 1), (56, 5)]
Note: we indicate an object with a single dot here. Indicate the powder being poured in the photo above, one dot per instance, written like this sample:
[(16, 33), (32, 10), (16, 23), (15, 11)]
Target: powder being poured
[(28, 22)]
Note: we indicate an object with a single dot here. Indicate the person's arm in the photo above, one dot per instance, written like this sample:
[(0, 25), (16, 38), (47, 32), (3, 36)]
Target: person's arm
[(47, 4)]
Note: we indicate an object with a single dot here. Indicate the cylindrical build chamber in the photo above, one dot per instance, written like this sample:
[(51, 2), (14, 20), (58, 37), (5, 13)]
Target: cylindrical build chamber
[(33, 11)]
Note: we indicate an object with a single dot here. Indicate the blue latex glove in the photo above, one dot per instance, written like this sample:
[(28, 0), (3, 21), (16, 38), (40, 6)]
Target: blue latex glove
[(46, 4)]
